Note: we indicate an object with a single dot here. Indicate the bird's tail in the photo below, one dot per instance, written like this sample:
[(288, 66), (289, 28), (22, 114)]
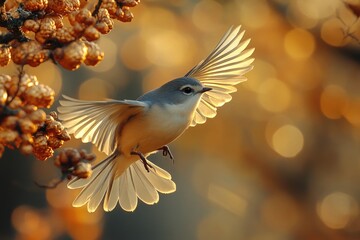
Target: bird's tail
[(135, 182)]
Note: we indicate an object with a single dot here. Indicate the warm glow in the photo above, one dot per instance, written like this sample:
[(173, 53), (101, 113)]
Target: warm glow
[(168, 48), (94, 89), (207, 13), (337, 210), (132, 53), (299, 44), (274, 95), (227, 199), (317, 9), (288, 141), (254, 14), (332, 33), (333, 101), (352, 112), (30, 223)]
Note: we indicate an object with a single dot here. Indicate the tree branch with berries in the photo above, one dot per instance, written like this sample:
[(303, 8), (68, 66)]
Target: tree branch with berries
[(31, 33)]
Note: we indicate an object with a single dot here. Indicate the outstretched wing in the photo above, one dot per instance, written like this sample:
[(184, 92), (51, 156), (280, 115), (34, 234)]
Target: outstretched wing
[(96, 121), (221, 71)]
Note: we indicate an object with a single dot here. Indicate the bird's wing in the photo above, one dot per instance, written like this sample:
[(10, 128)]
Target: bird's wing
[(96, 121), (221, 70)]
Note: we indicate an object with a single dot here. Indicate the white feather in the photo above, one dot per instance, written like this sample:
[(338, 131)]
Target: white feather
[(221, 70)]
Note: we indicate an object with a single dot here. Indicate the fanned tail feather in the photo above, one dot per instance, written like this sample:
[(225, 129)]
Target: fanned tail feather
[(135, 182)]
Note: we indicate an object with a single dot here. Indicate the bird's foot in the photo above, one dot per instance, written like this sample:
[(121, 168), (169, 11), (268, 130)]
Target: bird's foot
[(143, 159), (166, 151)]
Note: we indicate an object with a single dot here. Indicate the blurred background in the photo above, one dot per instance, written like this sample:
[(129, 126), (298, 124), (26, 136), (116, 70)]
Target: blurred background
[(280, 161)]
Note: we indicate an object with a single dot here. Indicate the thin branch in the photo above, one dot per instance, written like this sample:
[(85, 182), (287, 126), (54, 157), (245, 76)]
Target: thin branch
[(97, 7)]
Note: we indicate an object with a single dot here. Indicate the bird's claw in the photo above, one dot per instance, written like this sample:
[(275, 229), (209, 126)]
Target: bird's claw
[(146, 165), (144, 161), (166, 151)]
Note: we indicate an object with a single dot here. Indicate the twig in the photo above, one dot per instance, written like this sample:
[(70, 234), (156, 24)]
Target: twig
[(97, 7), (50, 186)]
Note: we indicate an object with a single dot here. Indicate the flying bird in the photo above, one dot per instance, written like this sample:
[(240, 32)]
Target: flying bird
[(128, 131)]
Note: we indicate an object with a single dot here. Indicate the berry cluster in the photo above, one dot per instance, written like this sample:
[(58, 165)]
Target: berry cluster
[(74, 163), (63, 30), (50, 136), (23, 124)]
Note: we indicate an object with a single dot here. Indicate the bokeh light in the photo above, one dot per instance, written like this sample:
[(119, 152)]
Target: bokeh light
[(317, 9), (94, 85), (352, 112), (227, 199), (207, 13), (333, 101), (274, 95), (332, 33), (30, 223), (299, 44), (288, 141), (162, 54), (337, 210)]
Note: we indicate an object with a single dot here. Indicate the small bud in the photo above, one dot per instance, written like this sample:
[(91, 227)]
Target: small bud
[(27, 126), (91, 33), (72, 55), (94, 54), (3, 96), (35, 5), (83, 170), (31, 25), (54, 142), (37, 116), (5, 55), (26, 148)]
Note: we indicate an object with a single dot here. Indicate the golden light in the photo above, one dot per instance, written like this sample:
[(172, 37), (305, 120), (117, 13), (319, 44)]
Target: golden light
[(60, 197), (155, 79), (169, 48), (288, 141), (30, 223), (264, 70), (333, 101), (274, 95), (337, 210), (227, 199), (207, 13), (94, 89), (352, 112), (318, 9), (254, 14), (297, 18), (332, 33), (155, 18), (132, 53), (299, 44)]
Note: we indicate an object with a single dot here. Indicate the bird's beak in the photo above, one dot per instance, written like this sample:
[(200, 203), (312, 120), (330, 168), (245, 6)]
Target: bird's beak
[(205, 89)]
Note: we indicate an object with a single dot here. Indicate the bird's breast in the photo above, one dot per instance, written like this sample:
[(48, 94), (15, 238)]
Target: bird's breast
[(153, 129)]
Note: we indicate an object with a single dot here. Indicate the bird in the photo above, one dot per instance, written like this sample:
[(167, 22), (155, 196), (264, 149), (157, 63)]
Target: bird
[(128, 131)]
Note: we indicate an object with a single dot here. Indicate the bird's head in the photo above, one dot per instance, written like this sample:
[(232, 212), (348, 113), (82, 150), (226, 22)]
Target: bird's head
[(181, 91)]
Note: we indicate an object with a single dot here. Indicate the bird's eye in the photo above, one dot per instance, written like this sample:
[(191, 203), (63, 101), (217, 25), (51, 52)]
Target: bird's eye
[(187, 90)]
